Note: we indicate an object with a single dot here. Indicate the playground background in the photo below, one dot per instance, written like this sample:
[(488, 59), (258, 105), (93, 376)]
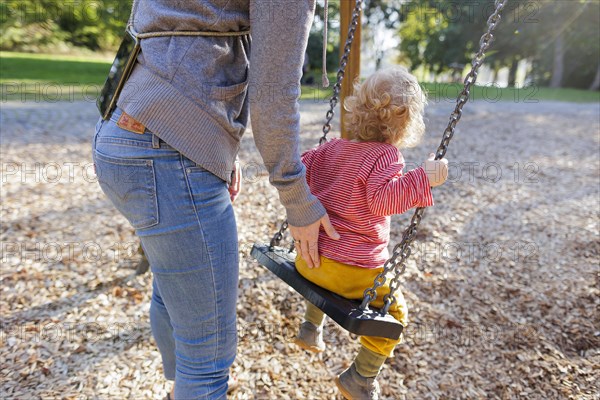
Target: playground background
[(503, 288)]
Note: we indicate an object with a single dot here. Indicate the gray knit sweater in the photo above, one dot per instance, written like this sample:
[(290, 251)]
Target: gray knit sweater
[(196, 93)]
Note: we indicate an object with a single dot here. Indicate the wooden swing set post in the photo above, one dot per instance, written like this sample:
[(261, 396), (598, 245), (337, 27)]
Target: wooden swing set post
[(353, 67)]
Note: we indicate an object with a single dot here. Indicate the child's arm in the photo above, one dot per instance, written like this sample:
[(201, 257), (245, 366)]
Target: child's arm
[(389, 191)]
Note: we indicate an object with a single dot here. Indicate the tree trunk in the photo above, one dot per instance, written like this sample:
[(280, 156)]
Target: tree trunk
[(596, 84), (378, 59), (494, 77), (559, 65), (512, 73)]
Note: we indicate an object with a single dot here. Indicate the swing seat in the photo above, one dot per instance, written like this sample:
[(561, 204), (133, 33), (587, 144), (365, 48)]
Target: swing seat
[(345, 312)]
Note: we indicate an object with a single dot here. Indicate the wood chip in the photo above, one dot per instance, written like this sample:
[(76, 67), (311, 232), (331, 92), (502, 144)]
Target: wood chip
[(502, 288)]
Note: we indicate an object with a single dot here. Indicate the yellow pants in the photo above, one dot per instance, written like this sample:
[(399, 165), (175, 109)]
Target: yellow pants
[(350, 281)]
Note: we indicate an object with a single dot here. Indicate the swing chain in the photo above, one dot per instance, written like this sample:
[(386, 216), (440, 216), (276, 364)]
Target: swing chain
[(402, 250), (278, 237), (397, 262), (341, 71)]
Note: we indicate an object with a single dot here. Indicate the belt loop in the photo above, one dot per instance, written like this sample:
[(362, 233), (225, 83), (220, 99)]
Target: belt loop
[(155, 142)]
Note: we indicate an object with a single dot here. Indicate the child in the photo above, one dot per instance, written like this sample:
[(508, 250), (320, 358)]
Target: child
[(360, 182)]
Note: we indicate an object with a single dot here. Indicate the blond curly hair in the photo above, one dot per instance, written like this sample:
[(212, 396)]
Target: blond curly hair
[(387, 107)]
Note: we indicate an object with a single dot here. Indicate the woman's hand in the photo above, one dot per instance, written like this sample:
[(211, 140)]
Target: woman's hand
[(436, 170), (306, 239), (236, 181)]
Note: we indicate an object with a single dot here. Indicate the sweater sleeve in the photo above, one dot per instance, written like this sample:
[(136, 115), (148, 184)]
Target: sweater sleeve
[(279, 38), (390, 191)]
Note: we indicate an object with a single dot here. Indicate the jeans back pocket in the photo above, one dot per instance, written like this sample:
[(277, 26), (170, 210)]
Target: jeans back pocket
[(131, 186)]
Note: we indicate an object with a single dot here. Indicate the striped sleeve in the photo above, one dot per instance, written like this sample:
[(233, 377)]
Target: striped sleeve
[(389, 191), (307, 160)]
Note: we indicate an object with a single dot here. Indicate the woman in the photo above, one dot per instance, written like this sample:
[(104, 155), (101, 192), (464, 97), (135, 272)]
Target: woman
[(167, 154)]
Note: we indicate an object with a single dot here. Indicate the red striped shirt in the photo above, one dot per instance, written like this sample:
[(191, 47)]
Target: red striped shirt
[(361, 184)]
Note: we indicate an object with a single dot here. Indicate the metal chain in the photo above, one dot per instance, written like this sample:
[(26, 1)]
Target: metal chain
[(397, 262), (332, 101), (278, 237)]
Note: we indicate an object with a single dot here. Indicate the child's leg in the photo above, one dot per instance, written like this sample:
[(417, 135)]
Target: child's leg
[(313, 314), (375, 350), (360, 380), (368, 363), (310, 335)]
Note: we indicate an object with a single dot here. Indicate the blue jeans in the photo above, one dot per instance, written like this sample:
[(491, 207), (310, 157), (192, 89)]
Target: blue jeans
[(185, 220)]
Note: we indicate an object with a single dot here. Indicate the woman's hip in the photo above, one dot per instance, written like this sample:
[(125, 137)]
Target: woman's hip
[(158, 189)]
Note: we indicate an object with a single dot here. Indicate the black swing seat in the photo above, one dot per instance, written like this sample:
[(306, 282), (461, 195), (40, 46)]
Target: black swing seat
[(345, 312)]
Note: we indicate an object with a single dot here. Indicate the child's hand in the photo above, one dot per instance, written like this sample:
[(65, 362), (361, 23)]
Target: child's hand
[(436, 170)]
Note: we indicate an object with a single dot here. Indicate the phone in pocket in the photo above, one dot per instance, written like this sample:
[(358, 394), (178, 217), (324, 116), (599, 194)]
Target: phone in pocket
[(119, 72)]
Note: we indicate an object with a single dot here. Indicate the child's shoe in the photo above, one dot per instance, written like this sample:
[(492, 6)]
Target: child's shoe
[(354, 386), (310, 337)]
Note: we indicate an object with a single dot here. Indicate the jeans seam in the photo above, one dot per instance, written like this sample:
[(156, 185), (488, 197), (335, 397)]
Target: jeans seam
[(212, 272), (97, 132), (126, 142)]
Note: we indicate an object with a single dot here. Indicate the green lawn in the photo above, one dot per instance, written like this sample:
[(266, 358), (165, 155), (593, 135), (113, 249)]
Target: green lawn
[(40, 77), (448, 92)]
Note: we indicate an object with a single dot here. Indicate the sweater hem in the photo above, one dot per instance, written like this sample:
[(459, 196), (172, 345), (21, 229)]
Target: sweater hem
[(180, 122)]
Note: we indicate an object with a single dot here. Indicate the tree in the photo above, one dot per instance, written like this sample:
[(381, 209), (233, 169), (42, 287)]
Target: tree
[(559, 37), (438, 34), (566, 43), (41, 24), (596, 83), (558, 68)]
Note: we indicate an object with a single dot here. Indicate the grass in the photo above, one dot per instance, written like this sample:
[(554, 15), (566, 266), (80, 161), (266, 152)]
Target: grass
[(448, 92), (47, 77)]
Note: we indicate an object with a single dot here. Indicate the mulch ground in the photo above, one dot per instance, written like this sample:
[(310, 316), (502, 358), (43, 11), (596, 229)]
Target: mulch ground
[(503, 287)]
